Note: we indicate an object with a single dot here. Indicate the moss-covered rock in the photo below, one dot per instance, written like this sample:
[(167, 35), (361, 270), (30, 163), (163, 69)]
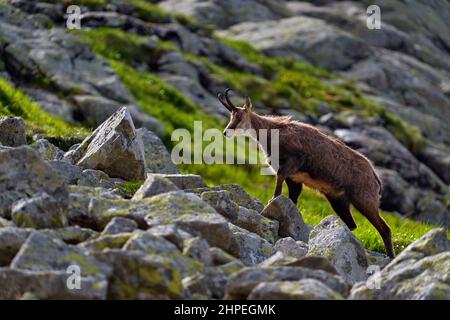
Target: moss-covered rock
[(305, 289), (332, 239), (137, 275), (241, 284), (41, 211), (419, 272), (22, 174)]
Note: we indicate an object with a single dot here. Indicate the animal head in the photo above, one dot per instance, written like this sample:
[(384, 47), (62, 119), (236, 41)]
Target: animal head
[(240, 117)]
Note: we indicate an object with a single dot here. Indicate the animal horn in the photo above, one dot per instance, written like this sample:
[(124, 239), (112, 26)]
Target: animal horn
[(228, 99)]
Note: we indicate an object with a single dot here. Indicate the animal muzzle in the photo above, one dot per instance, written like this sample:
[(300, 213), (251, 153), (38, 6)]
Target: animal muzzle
[(228, 133)]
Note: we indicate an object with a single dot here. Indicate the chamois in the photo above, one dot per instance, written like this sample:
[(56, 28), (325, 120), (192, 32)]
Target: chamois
[(308, 156)]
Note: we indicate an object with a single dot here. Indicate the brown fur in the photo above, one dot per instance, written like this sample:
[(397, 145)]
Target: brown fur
[(309, 157)]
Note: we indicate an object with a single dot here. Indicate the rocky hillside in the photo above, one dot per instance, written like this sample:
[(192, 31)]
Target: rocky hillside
[(86, 182), (177, 238)]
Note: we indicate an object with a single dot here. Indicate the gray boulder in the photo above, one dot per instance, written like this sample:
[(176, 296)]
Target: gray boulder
[(242, 283), (115, 148), (253, 248), (305, 289), (22, 174), (40, 211), (68, 171), (48, 285), (120, 225), (198, 249), (184, 181), (12, 132), (241, 216), (171, 232), (237, 195), (291, 222), (191, 214), (305, 38), (153, 185), (157, 157), (333, 240), (41, 253), (136, 275), (292, 248), (420, 272), (11, 240), (47, 150), (225, 13)]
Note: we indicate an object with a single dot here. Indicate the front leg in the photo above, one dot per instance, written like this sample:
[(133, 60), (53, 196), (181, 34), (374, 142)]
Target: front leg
[(282, 174), (279, 186)]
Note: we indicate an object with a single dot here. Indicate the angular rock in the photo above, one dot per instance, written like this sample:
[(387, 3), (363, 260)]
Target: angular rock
[(305, 38), (292, 248), (314, 263), (237, 195), (71, 235), (11, 240), (120, 225), (22, 174), (40, 253), (115, 148), (151, 244), (184, 181), (157, 157), (39, 212), (198, 249), (291, 222), (79, 199), (153, 185), (191, 214), (196, 287), (333, 240), (109, 241), (48, 285), (420, 272), (220, 257), (137, 275), (242, 283), (5, 223), (70, 172), (95, 178), (241, 216), (171, 232), (47, 150), (305, 289), (12, 132), (212, 12), (253, 248)]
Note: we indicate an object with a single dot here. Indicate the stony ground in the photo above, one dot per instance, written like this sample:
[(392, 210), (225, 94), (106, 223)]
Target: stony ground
[(69, 172), (177, 238)]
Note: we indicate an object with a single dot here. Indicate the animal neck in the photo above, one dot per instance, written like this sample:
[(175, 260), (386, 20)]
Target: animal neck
[(259, 122)]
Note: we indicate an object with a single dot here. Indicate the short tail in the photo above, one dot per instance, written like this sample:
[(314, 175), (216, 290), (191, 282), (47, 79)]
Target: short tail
[(380, 183)]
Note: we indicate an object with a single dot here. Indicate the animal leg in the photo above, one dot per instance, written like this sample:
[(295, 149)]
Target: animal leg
[(279, 186), (370, 211), (342, 207), (294, 189)]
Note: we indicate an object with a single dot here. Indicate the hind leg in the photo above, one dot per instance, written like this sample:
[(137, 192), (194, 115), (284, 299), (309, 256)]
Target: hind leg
[(342, 207), (370, 211), (294, 189)]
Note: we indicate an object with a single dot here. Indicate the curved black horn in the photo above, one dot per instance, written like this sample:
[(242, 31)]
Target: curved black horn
[(226, 105), (228, 99)]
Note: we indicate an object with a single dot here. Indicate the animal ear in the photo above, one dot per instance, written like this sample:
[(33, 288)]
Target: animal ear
[(248, 103)]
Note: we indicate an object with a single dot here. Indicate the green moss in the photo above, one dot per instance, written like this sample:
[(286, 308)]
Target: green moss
[(129, 188), (14, 102)]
